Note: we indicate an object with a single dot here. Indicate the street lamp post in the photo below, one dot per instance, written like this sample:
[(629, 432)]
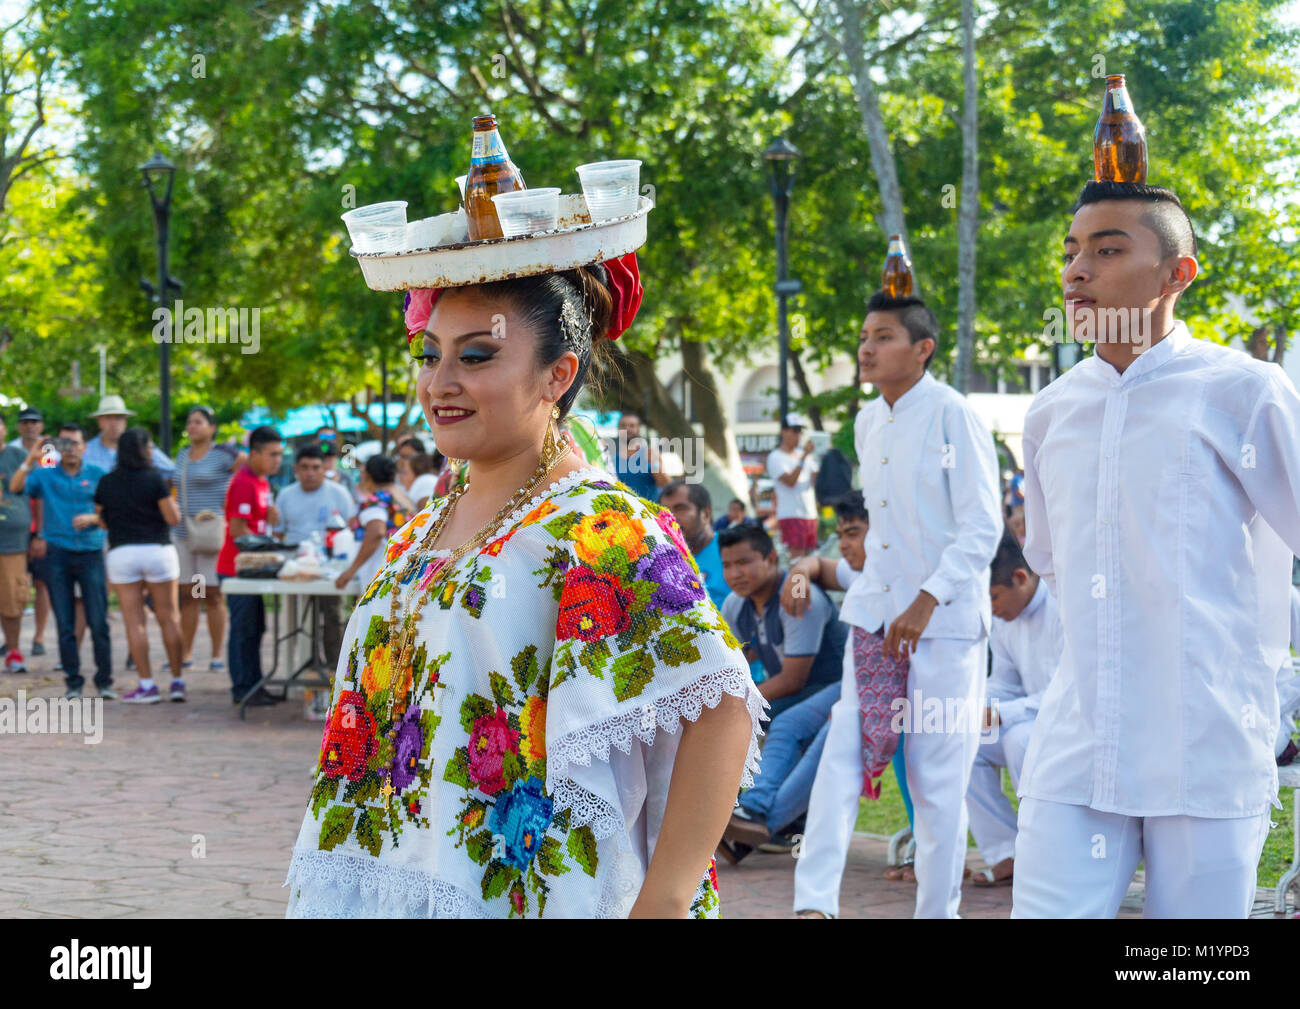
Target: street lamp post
[(780, 158), (158, 170)]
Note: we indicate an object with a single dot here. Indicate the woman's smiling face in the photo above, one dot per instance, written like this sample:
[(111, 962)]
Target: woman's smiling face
[(480, 387)]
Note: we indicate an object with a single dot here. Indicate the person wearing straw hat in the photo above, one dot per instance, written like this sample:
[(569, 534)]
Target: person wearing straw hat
[(538, 711), (1162, 476), (101, 450)]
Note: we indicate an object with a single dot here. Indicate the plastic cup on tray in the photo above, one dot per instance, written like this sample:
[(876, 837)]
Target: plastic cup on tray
[(527, 211), (378, 227), (612, 188)]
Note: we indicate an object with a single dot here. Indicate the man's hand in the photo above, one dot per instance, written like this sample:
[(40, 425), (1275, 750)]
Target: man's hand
[(807, 448), (37, 450), (272, 515), (900, 641), (796, 592), (84, 521), (36, 548)]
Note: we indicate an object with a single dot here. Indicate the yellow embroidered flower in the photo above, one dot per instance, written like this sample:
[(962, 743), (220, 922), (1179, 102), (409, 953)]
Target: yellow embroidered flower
[(473, 818), (378, 672), (597, 533), (539, 513), (533, 720)]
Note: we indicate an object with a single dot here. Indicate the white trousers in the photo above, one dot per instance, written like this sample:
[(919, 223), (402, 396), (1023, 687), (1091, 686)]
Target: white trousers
[(992, 820), (939, 753), (1077, 862)]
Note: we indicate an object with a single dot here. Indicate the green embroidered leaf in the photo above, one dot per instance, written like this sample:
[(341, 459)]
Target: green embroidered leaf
[(378, 701), (676, 647), (644, 590), (457, 771), (501, 692), (594, 656), (446, 595), (429, 722), (512, 768), (560, 525), (582, 846), (484, 574), (550, 857), (336, 828), (417, 664), (537, 769), (322, 794), (518, 898), (364, 789), (561, 821), (370, 830), (562, 664), (376, 633), (633, 672), (472, 709), (644, 626), (497, 878), (479, 846), (612, 502), (614, 561), (525, 667)]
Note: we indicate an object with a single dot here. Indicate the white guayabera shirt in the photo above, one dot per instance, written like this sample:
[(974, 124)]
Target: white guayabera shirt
[(1151, 503), (1026, 652), (930, 485)]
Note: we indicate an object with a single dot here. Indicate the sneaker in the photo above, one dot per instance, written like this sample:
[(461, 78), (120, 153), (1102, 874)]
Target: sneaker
[(37, 648), (167, 666), (72, 693), (141, 696), (58, 666), (178, 690), (107, 693), (216, 666), (14, 663)]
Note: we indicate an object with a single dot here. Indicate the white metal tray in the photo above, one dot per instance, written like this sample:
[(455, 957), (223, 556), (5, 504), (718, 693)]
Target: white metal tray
[(575, 242)]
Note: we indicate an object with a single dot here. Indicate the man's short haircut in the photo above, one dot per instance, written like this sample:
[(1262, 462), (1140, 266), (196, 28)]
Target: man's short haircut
[(415, 443), (1165, 213), (308, 452), (850, 506), (695, 493), (755, 536), (263, 435), (421, 463), (1008, 560), (72, 425), (736, 500), (914, 315)]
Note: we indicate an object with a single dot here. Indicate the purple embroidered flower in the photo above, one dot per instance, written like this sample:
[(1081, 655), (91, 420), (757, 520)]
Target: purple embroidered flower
[(474, 598), (679, 587), (410, 740), (601, 485)]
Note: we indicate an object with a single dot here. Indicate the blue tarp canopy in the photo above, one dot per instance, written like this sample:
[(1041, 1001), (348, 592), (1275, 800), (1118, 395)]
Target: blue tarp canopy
[(306, 420)]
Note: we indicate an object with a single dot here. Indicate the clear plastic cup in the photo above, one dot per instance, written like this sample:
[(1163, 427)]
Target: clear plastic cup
[(378, 227), (612, 188), (527, 211)]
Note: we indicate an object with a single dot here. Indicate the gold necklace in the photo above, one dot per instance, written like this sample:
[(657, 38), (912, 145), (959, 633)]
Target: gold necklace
[(404, 641)]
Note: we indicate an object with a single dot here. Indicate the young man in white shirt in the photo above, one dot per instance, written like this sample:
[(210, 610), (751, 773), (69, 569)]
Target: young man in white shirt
[(1161, 484), (793, 470), (1026, 641), (930, 479)]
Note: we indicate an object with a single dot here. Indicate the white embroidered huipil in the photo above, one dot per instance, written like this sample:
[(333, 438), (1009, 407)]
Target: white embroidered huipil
[(1151, 503), (930, 484), (1026, 652)]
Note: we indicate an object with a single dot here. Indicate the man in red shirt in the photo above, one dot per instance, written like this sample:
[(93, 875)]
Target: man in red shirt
[(249, 510)]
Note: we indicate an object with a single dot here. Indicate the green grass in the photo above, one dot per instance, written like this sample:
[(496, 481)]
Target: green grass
[(887, 815)]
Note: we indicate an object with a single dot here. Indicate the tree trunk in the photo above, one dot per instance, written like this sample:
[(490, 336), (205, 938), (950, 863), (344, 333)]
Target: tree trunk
[(814, 413), (968, 210), (882, 156), (714, 419)]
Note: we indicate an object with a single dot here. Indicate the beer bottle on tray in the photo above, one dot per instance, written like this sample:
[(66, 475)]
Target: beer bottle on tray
[(490, 172), (1119, 147), (897, 278)]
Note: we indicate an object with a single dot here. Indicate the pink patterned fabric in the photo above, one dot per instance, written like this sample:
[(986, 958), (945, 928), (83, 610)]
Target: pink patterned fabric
[(880, 680)]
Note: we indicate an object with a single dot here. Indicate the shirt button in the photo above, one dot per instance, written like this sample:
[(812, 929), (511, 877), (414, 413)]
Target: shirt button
[(882, 504), (883, 461), (884, 546), (886, 588), (891, 419)]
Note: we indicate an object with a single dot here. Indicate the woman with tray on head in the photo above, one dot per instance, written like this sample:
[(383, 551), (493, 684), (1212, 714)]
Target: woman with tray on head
[(538, 712)]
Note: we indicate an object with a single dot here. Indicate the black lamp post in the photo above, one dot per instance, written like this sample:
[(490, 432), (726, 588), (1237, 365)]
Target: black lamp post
[(780, 158), (160, 173)]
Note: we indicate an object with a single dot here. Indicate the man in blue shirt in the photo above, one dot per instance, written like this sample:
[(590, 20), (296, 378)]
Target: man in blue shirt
[(101, 451), (801, 654), (72, 542), (636, 463), (692, 506)]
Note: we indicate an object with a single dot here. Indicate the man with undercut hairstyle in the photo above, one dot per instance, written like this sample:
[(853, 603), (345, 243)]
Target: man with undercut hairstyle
[(1161, 484)]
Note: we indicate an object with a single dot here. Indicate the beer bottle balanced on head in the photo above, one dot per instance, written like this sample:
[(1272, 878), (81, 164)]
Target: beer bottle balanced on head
[(896, 281), (1119, 147), (490, 172)]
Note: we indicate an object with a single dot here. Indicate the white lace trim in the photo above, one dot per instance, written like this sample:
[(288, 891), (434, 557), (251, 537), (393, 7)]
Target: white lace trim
[(643, 723), (325, 885), (564, 483)]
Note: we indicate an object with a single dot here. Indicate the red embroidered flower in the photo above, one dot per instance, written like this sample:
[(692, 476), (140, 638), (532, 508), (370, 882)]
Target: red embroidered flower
[(494, 548), (489, 742), (592, 606), (349, 738)]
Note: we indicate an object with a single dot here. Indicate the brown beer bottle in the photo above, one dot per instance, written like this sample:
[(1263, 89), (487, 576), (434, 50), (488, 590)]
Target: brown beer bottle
[(490, 172), (1119, 147), (897, 278)]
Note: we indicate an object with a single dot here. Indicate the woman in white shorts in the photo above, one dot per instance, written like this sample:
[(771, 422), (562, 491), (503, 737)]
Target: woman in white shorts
[(134, 503)]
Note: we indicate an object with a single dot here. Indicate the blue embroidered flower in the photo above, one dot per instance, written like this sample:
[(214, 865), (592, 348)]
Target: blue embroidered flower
[(521, 818), (679, 587)]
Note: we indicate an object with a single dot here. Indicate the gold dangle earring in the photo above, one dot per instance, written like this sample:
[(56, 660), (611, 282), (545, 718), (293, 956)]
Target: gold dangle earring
[(550, 450)]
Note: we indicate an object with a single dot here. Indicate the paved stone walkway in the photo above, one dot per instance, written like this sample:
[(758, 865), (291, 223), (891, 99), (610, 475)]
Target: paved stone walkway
[(184, 811)]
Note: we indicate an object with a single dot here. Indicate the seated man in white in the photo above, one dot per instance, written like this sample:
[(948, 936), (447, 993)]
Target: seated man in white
[(1026, 639)]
